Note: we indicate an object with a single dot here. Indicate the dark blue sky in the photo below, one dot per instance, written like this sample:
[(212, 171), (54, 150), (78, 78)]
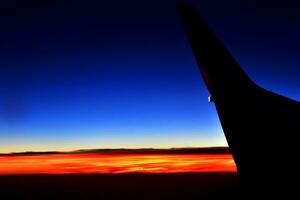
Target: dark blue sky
[(122, 74)]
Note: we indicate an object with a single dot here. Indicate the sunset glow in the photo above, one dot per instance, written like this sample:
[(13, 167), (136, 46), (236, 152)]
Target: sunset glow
[(115, 163)]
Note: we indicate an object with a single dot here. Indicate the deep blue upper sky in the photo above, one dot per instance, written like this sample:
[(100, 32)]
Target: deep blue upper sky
[(122, 74)]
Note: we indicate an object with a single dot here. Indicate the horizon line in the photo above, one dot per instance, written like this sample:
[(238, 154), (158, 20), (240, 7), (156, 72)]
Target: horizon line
[(213, 149)]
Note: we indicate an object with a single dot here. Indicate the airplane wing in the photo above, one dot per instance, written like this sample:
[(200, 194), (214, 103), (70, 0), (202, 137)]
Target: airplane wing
[(260, 126)]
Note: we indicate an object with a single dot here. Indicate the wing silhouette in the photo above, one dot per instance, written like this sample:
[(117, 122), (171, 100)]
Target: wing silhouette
[(260, 126)]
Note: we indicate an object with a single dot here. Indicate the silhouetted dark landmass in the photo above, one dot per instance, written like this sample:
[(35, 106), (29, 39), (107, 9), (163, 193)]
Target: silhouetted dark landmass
[(121, 186), (205, 150)]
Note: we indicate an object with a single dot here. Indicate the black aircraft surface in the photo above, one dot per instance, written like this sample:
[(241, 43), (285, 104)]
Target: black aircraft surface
[(261, 127)]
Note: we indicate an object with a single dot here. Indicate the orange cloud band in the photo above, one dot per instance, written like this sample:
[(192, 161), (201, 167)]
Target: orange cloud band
[(115, 163)]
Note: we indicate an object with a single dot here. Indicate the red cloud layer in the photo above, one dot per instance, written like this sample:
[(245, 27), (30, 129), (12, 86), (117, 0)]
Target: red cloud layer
[(115, 163)]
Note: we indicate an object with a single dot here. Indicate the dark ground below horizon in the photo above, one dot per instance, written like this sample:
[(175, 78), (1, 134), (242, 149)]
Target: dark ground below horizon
[(120, 186)]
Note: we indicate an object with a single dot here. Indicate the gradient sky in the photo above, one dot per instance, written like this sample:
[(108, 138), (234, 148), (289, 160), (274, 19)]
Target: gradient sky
[(122, 74)]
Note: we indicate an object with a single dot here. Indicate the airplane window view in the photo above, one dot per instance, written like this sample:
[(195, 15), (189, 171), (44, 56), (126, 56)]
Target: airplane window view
[(148, 99)]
